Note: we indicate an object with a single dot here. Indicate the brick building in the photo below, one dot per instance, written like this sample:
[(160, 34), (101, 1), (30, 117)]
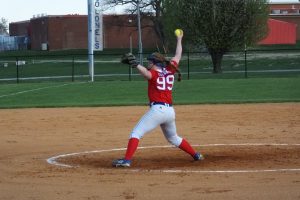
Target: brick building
[(288, 12), (56, 32), (71, 32), (118, 29), (19, 28)]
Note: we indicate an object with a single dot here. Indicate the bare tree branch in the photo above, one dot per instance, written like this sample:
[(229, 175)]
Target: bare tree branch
[(150, 10), (3, 26)]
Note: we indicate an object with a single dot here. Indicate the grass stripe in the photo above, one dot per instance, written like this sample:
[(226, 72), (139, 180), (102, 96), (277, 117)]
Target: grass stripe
[(116, 93)]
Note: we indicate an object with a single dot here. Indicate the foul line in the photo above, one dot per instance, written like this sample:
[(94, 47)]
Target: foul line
[(37, 89), (53, 160)]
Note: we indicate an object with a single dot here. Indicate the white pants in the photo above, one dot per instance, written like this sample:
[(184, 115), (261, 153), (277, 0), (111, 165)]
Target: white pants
[(158, 115)]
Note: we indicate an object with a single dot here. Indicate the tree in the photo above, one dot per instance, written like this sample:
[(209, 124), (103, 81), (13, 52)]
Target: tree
[(220, 25), (152, 9), (3, 27)]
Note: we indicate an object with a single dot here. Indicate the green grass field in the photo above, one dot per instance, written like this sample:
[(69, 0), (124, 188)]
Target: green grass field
[(116, 93), (46, 79)]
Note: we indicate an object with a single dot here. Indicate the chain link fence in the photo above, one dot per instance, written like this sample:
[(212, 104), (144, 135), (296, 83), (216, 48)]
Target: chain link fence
[(194, 65)]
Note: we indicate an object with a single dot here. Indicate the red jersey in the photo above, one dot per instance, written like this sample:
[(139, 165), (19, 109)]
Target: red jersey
[(161, 84)]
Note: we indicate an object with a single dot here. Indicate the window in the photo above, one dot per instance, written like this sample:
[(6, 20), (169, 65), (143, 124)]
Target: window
[(275, 11)]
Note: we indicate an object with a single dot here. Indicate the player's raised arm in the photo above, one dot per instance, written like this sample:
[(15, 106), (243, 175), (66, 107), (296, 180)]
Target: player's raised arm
[(178, 52)]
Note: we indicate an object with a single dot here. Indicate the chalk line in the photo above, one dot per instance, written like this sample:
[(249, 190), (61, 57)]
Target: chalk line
[(53, 160), (37, 89)]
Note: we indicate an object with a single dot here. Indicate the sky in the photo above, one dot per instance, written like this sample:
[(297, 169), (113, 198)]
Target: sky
[(21, 10)]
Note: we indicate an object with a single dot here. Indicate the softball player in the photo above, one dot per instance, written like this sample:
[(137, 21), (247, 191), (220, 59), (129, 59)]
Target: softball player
[(160, 76)]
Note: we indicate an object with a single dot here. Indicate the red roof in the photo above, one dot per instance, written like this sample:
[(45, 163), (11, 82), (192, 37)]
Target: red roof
[(280, 32)]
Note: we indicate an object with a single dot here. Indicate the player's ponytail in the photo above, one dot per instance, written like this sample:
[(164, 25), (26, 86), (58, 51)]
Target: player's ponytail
[(161, 61), (175, 67)]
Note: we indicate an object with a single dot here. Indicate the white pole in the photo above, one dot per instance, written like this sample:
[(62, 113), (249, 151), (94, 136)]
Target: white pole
[(130, 38), (91, 38), (140, 33), (130, 43)]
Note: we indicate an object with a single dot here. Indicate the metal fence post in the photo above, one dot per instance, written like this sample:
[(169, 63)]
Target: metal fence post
[(246, 69), (17, 65), (129, 72), (188, 64), (73, 69)]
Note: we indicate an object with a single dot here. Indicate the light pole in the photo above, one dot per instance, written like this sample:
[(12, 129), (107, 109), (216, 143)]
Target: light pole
[(130, 43), (140, 33), (130, 38), (130, 46)]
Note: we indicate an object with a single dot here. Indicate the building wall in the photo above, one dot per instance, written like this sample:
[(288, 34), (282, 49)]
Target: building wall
[(19, 28), (71, 32), (285, 8), (39, 32), (55, 31), (120, 31), (280, 32), (67, 32), (288, 12), (74, 36), (291, 19)]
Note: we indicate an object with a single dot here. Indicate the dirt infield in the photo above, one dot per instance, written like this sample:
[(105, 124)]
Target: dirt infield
[(251, 151)]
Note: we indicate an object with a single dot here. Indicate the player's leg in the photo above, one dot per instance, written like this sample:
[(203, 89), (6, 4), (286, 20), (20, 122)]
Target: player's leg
[(147, 123), (170, 132)]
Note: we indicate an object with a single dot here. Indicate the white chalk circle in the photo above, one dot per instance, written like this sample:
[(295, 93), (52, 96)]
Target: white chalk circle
[(53, 160)]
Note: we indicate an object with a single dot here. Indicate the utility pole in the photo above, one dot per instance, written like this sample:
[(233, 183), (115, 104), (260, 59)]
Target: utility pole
[(140, 33)]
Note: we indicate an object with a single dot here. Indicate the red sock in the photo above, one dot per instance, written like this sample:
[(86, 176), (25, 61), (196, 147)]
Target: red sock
[(131, 148), (185, 146)]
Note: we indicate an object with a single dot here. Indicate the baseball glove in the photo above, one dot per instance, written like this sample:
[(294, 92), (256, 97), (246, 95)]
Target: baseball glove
[(129, 59)]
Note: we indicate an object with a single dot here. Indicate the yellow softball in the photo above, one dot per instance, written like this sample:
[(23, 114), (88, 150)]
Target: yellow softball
[(178, 32)]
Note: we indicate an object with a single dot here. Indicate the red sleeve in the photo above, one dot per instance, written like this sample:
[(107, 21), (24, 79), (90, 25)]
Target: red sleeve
[(174, 63), (153, 73), (172, 66)]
